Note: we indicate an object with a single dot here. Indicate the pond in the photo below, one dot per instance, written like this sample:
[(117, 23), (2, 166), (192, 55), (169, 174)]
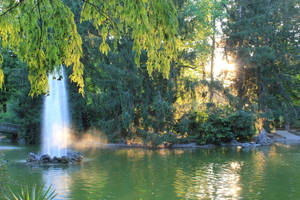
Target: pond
[(222, 173)]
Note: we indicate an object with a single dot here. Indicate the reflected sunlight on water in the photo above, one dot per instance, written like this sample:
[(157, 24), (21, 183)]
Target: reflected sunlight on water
[(60, 180), (69, 179), (9, 148), (210, 182), (128, 174)]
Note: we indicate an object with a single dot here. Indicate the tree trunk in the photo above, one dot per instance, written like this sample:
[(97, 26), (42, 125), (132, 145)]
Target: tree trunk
[(240, 68), (212, 60), (4, 108)]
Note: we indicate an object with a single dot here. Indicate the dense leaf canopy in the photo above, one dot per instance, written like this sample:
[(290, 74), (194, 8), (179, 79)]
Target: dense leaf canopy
[(43, 34)]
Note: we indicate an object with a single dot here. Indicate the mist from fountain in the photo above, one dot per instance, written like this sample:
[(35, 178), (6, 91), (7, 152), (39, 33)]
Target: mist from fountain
[(56, 122)]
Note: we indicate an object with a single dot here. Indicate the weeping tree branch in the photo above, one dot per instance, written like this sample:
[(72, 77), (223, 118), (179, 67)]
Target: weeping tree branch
[(41, 24), (11, 8), (113, 23)]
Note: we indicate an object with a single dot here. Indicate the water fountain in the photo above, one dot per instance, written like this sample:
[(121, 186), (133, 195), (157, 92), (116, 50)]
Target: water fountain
[(56, 123), (55, 129)]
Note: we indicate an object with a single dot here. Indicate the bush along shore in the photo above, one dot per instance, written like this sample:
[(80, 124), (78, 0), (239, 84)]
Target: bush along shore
[(262, 139), (219, 127)]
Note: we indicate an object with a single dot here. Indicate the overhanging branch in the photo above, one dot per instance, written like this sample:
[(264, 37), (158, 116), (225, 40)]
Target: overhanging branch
[(11, 8), (102, 13)]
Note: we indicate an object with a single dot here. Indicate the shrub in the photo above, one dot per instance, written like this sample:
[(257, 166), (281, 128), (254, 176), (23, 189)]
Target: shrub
[(33, 193), (217, 126)]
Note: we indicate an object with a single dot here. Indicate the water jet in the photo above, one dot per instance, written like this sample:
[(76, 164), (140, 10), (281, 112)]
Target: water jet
[(56, 124)]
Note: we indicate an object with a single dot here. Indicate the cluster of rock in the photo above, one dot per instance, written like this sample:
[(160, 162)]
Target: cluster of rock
[(193, 145), (261, 140), (242, 144), (70, 158)]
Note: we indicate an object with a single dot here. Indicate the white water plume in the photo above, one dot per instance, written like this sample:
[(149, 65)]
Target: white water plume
[(55, 128)]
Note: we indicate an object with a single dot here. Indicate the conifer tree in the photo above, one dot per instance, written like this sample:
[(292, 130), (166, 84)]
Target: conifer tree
[(262, 37)]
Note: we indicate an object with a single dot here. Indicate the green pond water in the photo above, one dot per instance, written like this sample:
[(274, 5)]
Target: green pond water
[(222, 173)]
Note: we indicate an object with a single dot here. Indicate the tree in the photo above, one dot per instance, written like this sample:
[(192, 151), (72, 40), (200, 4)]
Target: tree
[(262, 37), (123, 100), (15, 105), (44, 35)]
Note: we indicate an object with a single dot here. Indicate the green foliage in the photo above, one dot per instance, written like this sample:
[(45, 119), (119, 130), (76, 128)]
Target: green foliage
[(1, 72), (44, 35), (122, 100), (1, 78), (217, 126), (152, 25), (31, 193), (262, 36), (296, 124), (16, 106)]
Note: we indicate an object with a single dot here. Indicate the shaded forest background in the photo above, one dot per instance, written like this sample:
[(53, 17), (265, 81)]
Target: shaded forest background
[(189, 104)]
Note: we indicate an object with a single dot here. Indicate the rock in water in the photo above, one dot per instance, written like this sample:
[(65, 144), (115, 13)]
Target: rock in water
[(235, 143), (32, 158), (70, 158), (64, 159), (45, 158), (263, 138), (74, 156), (56, 159)]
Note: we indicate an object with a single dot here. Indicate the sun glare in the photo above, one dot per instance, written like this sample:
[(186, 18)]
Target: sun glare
[(221, 66)]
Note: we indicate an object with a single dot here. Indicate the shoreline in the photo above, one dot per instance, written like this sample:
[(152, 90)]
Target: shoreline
[(245, 145), (280, 137), (273, 138), (177, 146)]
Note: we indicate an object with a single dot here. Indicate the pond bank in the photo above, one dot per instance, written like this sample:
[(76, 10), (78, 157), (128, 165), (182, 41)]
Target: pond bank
[(265, 139), (181, 146)]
